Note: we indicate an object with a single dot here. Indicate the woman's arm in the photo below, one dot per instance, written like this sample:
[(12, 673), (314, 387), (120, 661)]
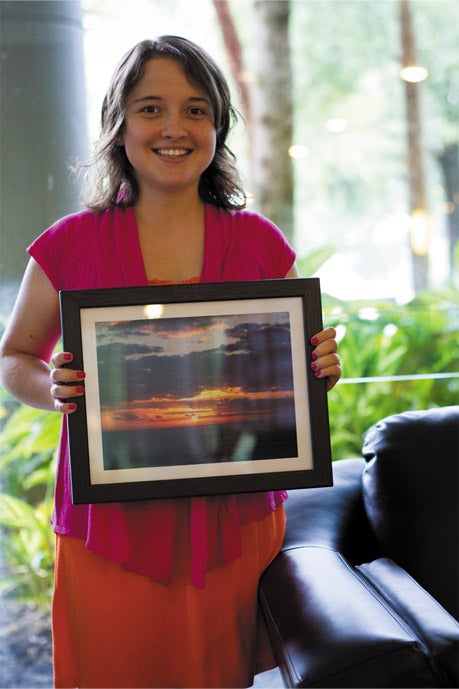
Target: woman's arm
[(325, 360), (27, 345)]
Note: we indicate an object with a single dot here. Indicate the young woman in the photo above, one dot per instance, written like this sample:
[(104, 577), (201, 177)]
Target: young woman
[(159, 593)]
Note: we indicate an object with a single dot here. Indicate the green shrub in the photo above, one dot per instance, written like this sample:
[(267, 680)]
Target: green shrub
[(27, 468), (386, 340)]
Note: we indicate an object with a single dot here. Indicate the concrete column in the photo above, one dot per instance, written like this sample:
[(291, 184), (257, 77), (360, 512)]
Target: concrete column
[(43, 125)]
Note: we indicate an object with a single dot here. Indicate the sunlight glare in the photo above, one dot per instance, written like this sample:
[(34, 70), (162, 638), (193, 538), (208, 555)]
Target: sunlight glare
[(414, 73), (153, 310), (298, 151)]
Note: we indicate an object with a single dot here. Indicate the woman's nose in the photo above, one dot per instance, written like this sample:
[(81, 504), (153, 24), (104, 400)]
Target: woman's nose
[(173, 127)]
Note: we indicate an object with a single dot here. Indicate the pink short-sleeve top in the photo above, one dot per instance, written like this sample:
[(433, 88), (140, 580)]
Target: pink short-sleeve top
[(90, 250)]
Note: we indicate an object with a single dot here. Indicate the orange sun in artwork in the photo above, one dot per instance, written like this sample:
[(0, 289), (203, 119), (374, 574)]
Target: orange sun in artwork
[(208, 406)]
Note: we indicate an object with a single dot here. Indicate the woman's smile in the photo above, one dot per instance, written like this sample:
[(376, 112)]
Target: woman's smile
[(173, 154)]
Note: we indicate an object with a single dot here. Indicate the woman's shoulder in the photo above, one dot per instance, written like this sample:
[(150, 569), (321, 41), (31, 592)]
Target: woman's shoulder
[(80, 229), (248, 246), (72, 250), (245, 215), (84, 220), (246, 221)]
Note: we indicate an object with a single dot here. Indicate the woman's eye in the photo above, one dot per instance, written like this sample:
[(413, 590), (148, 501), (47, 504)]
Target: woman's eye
[(196, 112), (150, 109)]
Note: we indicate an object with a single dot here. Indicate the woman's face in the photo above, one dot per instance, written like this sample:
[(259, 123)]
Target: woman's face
[(169, 134)]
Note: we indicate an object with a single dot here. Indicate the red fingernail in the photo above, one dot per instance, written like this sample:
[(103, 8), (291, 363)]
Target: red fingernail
[(313, 356), (314, 367), (314, 341), (72, 407), (80, 389), (81, 374), (68, 357), (317, 374)]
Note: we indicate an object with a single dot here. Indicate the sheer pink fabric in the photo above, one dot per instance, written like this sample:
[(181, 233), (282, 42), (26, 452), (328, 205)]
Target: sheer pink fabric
[(89, 250)]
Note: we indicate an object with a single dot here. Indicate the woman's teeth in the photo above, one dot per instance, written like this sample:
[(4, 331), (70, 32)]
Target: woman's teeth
[(172, 152)]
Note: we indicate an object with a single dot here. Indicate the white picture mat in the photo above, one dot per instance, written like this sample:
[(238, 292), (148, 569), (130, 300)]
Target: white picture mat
[(89, 317)]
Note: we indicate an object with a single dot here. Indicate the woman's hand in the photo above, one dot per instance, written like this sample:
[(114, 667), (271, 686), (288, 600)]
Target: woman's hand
[(325, 360), (66, 383)]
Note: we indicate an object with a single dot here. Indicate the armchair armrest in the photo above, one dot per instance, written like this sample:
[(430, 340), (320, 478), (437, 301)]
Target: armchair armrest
[(436, 630), (331, 628)]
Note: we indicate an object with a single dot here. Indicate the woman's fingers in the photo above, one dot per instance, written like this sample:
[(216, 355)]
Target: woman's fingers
[(66, 383), (61, 359), (326, 362)]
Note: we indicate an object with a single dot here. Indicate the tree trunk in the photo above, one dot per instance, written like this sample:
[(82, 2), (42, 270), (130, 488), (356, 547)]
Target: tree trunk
[(449, 161), (267, 107), (234, 52), (416, 178), (272, 135)]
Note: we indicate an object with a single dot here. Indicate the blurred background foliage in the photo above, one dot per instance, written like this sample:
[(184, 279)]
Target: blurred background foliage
[(394, 360), (27, 469), (383, 344)]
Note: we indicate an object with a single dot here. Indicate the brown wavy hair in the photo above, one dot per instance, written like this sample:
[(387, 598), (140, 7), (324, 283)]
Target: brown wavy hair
[(111, 180)]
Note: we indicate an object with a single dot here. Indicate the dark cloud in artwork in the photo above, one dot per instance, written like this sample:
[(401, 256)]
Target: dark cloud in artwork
[(261, 357), (153, 377), (119, 352), (135, 331), (124, 416), (138, 360)]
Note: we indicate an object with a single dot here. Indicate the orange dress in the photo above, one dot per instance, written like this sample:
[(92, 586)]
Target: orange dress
[(114, 628)]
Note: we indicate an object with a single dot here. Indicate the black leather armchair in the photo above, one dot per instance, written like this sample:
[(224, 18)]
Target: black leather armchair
[(365, 590)]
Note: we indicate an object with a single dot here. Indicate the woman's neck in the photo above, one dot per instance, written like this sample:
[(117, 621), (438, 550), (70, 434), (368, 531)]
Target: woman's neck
[(171, 237), (169, 210)]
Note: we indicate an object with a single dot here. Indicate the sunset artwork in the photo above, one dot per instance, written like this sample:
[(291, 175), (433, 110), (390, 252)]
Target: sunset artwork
[(196, 389)]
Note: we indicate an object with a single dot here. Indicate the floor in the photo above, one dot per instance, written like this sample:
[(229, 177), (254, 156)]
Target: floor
[(269, 680)]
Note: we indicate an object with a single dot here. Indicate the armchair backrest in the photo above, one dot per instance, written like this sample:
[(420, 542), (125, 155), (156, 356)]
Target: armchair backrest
[(410, 493)]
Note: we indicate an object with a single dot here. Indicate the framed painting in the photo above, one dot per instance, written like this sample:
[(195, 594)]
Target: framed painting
[(196, 389)]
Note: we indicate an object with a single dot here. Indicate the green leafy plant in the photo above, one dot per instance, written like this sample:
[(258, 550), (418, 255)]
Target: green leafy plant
[(390, 341), (28, 548), (27, 468)]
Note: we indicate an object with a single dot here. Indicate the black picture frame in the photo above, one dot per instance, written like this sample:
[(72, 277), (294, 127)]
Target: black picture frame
[(196, 389)]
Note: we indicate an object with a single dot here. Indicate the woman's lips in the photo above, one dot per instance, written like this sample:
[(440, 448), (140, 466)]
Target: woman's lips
[(172, 153)]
